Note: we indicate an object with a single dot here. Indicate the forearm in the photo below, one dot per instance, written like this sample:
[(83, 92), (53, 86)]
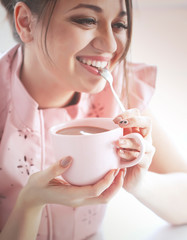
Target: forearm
[(164, 194), (22, 224)]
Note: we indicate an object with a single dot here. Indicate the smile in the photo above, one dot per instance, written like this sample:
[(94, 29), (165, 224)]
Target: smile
[(93, 63)]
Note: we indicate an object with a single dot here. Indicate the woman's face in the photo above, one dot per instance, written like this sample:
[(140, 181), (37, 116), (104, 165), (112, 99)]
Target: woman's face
[(82, 36)]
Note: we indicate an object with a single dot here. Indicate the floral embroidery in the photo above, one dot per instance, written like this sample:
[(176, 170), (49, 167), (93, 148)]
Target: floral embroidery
[(96, 110), (25, 166), (89, 217)]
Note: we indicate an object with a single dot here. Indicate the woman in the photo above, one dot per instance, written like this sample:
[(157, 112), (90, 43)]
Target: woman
[(52, 77)]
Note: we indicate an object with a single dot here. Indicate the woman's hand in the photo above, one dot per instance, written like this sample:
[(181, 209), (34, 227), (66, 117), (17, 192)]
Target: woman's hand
[(132, 122), (45, 187)]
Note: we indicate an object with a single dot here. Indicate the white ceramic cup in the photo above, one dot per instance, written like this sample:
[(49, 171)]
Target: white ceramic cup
[(93, 155)]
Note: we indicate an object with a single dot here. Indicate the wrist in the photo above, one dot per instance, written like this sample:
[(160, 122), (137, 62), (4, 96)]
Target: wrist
[(146, 187), (28, 202), (137, 185), (23, 222)]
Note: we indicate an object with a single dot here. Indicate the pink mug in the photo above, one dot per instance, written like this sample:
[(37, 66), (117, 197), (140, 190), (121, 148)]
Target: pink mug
[(93, 154)]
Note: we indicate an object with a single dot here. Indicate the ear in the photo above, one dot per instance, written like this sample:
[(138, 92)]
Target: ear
[(24, 22)]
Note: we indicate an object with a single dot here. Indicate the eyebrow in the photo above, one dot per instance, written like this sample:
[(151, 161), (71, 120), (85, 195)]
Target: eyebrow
[(95, 8), (92, 7)]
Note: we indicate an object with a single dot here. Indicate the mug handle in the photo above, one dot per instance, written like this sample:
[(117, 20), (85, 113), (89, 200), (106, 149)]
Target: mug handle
[(139, 139)]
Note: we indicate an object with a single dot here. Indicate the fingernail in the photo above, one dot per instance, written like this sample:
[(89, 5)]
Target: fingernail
[(66, 162), (124, 122)]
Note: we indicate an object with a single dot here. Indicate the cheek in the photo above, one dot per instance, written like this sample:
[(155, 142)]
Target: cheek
[(64, 48), (66, 39)]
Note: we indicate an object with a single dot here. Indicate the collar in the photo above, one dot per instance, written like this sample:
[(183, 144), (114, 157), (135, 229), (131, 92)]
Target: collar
[(25, 108), (23, 105)]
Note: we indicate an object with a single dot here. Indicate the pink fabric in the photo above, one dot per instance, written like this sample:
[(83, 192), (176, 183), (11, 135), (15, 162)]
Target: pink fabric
[(141, 84), (26, 147)]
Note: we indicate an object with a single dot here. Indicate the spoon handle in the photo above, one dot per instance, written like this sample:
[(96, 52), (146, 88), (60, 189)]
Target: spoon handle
[(117, 98), (105, 73)]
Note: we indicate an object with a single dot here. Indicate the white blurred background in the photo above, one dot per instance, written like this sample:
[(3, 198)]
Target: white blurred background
[(159, 38)]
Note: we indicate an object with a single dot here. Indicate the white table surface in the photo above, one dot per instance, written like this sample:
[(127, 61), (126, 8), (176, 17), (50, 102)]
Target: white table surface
[(128, 219)]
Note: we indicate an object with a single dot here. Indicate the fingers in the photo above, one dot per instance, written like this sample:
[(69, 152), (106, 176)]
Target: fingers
[(140, 124), (127, 114), (105, 183), (110, 191), (96, 189), (133, 152), (55, 170), (59, 193), (92, 194), (52, 189), (129, 149), (114, 187), (132, 121), (127, 155), (128, 143), (57, 182), (132, 145), (80, 195)]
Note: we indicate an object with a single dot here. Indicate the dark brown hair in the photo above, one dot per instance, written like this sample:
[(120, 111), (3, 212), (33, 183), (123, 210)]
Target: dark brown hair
[(37, 7), (125, 85), (43, 9), (129, 20)]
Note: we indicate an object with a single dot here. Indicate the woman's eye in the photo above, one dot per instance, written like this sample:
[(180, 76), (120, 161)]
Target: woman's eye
[(85, 21), (120, 26)]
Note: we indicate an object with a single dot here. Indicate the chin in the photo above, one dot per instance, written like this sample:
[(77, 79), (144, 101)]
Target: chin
[(97, 89)]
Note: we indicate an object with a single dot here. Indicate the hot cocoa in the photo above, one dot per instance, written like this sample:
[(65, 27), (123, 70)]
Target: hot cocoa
[(81, 130)]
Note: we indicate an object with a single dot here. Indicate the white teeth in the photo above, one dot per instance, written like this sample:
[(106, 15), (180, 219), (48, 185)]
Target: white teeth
[(98, 64), (103, 64), (94, 63)]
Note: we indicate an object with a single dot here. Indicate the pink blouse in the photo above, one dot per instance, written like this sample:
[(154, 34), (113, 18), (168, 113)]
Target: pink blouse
[(26, 147)]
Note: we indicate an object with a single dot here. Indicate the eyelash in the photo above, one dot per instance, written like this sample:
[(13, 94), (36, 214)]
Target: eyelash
[(91, 21), (120, 25), (85, 21)]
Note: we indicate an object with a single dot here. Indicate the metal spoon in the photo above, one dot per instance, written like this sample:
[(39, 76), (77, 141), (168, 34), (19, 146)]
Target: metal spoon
[(138, 138), (105, 73)]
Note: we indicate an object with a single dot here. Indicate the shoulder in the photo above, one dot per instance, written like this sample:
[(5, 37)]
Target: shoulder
[(5, 82)]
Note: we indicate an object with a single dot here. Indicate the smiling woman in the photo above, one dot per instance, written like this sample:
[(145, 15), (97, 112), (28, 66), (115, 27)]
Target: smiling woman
[(54, 73), (73, 30), (51, 77)]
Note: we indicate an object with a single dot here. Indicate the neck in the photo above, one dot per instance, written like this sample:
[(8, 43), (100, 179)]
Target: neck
[(42, 86)]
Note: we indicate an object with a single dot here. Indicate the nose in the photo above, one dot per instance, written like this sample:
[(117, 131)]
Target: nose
[(105, 41)]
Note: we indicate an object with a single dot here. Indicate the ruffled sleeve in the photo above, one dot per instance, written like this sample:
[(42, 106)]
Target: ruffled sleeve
[(141, 84), (136, 92)]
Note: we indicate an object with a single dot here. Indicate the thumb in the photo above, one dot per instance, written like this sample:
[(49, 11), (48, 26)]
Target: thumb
[(57, 169)]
